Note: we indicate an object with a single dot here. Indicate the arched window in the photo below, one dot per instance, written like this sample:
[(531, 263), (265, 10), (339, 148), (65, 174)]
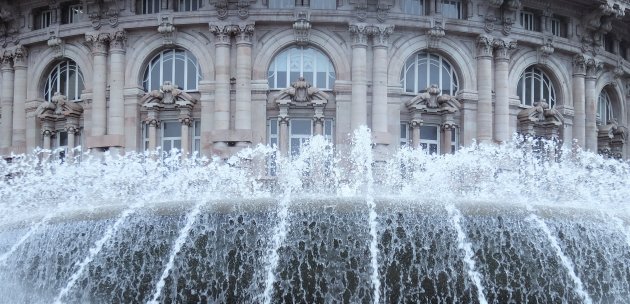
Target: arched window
[(604, 109), (535, 85), (305, 62), (424, 69), (65, 78), (175, 65)]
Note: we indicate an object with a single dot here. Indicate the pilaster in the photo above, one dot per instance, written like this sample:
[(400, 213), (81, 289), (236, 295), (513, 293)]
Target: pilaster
[(116, 109), (98, 43), (380, 38), (223, 34), (243, 113), (579, 99), (593, 68)]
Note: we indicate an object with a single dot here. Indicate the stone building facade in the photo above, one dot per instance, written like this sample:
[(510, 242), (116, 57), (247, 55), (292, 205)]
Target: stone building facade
[(214, 76)]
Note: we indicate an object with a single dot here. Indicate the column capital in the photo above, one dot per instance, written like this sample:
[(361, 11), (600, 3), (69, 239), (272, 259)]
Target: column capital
[(71, 129), (152, 122), (19, 57), (593, 67), (186, 120), (380, 34), (118, 41), (223, 32), (579, 65), (244, 33), (283, 119), (98, 42), (485, 46), (6, 60), (360, 32), (503, 48)]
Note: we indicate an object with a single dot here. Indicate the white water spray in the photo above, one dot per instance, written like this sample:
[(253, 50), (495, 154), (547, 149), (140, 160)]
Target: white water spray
[(98, 245), (177, 247), (566, 261), (279, 235), (462, 243)]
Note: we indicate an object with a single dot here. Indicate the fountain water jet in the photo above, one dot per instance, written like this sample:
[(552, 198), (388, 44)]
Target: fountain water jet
[(305, 234)]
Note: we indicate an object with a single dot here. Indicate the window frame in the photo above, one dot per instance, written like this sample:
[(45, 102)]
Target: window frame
[(61, 69), (143, 7), (534, 74), (157, 62), (171, 139), (459, 7), (189, 5), (423, 58), (604, 104), (285, 58)]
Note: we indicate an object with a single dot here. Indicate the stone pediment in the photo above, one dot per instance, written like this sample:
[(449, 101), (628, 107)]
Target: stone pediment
[(612, 131), (540, 113), (432, 101), (59, 108), (168, 96), (302, 94)]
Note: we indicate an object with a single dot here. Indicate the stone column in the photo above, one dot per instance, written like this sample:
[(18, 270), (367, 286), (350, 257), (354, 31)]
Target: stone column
[(19, 98), (243, 114), (283, 136), (415, 133), (72, 130), (359, 75), (445, 142), (152, 123), (379, 80), (579, 101), (116, 110), (592, 69), (186, 121), (98, 43), (484, 89), (222, 76), (7, 101), (502, 101), (47, 134)]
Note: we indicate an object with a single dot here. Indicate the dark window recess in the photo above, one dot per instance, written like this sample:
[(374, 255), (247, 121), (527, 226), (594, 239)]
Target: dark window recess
[(609, 43), (71, 12), (42, 17)]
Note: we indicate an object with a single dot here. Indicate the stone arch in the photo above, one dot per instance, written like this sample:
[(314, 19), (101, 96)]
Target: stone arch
[(146, 48), (555, 70), (275, 43), (613, 87), (80, 54), (451, 50)]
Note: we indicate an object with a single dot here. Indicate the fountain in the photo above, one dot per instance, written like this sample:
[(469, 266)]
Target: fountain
[(519, 222)]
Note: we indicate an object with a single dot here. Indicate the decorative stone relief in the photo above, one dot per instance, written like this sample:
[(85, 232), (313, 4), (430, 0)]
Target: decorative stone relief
[(59, 109), (243, 8), (6, 59), (540, 120), (360, 9), (168, 96), (545, 50), (432, 101), (302, 27), (503, 48), (593, 67), (166, 28), (55, 43), (301, 93), (382, 9), (436, 33), (611, 139), (19, 55), (222, 8)]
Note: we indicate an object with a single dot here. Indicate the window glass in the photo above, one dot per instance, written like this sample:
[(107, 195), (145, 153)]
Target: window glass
[(424, 69), (65, 78), (452, 9), (148, 6), (310, 63), (604, 109), (175, 65), (535, 85), (412, 7), (324, 4), (282, 3)]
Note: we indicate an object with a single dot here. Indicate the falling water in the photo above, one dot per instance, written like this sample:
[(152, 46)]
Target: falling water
[(437, 228), (566, 261), (362, 156), (17, 244), (179, 242), (93, 252), (462, 243)]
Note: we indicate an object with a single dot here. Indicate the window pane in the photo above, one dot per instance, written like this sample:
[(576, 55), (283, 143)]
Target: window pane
[(324, 4), (192, 76), (413, 7), (310, 63), (295, 146), (301, 127), (428, 132), (172, 129), (197, 128)]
